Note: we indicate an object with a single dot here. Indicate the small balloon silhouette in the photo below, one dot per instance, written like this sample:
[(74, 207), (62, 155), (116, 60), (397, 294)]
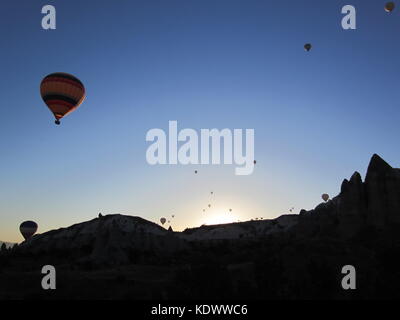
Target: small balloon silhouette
[(325, 197), (389, 7), (28, 229)]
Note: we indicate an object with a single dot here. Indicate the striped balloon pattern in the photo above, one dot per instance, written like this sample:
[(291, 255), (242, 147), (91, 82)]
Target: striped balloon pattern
[(28, 229), (62, 93)]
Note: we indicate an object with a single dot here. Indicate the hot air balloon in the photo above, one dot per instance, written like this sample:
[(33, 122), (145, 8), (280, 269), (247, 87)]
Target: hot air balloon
[(163, 220), (62, 93), (230, 210), (195, 171), (325, 197), (173, 216), (28, 229), (254, 161), (389, 7), (209, 205), (307, 47), (204, 210), (212, 192)]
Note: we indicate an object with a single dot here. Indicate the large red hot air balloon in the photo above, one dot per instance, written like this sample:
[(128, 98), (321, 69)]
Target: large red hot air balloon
[(62, 93), (28, 229)]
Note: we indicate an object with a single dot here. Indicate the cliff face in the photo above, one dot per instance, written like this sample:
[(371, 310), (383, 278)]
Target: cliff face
[(108, 240), (382, 189), (374, 202)]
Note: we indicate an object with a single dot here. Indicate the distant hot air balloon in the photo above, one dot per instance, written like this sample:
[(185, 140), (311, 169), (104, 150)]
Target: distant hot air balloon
[(389, 7), (28, 229), (173, 216), (195, 171), (307, 47), (163, 220), (62, 93), (212, 192), (209, 205), (325, 197), (204, 210), (254, 161)]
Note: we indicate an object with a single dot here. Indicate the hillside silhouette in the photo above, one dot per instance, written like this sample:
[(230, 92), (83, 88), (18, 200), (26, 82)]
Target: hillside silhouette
[(290, 257)]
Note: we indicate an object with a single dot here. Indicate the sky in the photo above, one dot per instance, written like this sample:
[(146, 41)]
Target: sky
[(318, 116)]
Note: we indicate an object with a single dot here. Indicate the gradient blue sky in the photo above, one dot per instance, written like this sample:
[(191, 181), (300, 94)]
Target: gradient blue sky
[(317, 116)]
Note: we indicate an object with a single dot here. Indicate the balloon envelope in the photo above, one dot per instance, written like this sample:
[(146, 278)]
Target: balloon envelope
[(325, 197), (62, 93), (163, 220), (28, 229), (389, 7), (307, 46)]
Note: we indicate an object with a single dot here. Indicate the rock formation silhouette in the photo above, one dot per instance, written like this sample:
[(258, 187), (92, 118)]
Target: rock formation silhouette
[(295, 256), (372, 203)]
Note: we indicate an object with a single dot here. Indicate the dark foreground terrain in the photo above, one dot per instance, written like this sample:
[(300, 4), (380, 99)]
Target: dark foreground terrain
[(291, 257)]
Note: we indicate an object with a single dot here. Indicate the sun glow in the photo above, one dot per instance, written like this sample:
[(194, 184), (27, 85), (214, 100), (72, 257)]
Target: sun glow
[(220, 218)]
